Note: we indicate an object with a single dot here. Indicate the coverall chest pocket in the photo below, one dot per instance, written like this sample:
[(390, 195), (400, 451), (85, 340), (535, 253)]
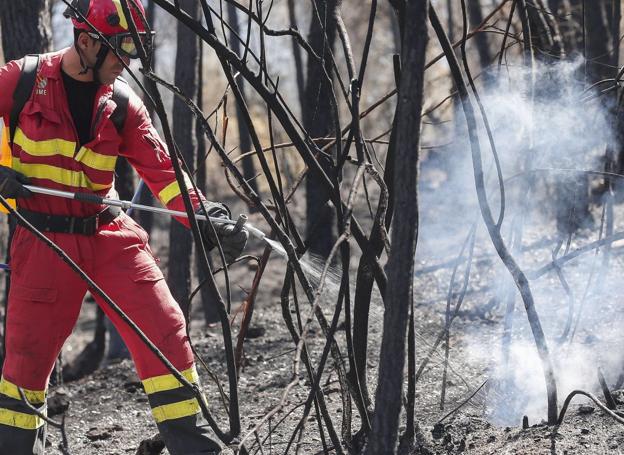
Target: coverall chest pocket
[(35, 115), (37, 135), (38, 122)]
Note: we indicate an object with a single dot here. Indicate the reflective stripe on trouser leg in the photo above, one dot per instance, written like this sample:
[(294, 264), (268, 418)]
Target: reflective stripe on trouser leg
[(22, 431), (142, 293), (178, 415)]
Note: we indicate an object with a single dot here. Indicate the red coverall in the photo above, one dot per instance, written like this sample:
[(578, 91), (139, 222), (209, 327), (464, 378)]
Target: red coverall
[(45, 295)]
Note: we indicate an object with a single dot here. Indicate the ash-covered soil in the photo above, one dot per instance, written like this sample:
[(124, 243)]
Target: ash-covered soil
[(108, 411)]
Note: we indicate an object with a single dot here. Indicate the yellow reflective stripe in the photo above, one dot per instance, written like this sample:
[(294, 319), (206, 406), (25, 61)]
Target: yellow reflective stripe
[(175, 410), (50, 147), (54, 147), (172, 190), (20, 420), (96, 160), (10, 390), (169, 192), (168, 381), (123, 23), (59, 175)]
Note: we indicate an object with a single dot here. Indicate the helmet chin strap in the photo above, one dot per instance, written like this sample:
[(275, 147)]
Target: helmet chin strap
[(99, 61)]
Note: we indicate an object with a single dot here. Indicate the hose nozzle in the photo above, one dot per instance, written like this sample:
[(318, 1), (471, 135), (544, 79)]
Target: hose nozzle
[(240, 223)]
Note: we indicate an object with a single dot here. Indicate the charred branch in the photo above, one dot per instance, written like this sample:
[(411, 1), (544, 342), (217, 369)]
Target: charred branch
[(518, 275), (399, 293)]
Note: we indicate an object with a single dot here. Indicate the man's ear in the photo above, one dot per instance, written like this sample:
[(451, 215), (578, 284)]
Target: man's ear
[(82, 40), (85, 41)]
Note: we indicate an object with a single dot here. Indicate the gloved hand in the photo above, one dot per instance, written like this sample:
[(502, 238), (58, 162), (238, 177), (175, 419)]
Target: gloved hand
[(11, 183), (232, 241)]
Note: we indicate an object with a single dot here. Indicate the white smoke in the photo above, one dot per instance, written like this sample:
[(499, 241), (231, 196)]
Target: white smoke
[(545, 126)]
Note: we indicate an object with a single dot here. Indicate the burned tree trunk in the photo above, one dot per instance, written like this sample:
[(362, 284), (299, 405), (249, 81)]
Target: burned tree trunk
[(545, 32), (618, 110), (615, 19), (574, 197), (481, 39), (450, 20), (598, 40), (405, 232), (180, 238), (208, 301), (292, 15), (124, 179), (30, 21), (516, 272), (568, 17), (249, 170), (318, 120), (554, 6)]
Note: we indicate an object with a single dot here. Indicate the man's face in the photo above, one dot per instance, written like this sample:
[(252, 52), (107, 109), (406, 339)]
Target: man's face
[(112, 66)]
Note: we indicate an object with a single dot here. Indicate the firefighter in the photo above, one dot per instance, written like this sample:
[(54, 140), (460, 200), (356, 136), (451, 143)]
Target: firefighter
[(66, 139)]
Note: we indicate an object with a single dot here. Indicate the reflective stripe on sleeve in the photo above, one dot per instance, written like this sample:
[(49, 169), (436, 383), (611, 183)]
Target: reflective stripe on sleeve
[(176, 410), (20, 420), (10, 390), (172, 190), (168, 381)]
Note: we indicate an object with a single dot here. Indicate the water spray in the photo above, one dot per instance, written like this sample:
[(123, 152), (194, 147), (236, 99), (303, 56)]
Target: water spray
[(311, 265)]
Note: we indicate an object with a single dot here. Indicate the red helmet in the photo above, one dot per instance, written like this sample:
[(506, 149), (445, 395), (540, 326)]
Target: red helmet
[(106, 15)]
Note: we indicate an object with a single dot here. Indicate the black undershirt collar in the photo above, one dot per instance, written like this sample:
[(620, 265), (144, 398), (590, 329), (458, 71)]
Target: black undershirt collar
[(80, 98)]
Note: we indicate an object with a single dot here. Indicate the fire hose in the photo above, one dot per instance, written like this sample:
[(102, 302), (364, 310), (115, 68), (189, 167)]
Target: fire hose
[(125, 205), (239, 223)]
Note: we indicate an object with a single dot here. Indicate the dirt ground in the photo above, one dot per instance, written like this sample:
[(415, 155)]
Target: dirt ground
[(108, 411)]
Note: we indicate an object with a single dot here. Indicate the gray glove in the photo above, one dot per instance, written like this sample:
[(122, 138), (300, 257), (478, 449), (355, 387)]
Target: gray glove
[(232, 240), (11, 183)]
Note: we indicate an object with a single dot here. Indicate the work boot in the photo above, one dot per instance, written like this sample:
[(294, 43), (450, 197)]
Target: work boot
[(22, 431), (178, 415)]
